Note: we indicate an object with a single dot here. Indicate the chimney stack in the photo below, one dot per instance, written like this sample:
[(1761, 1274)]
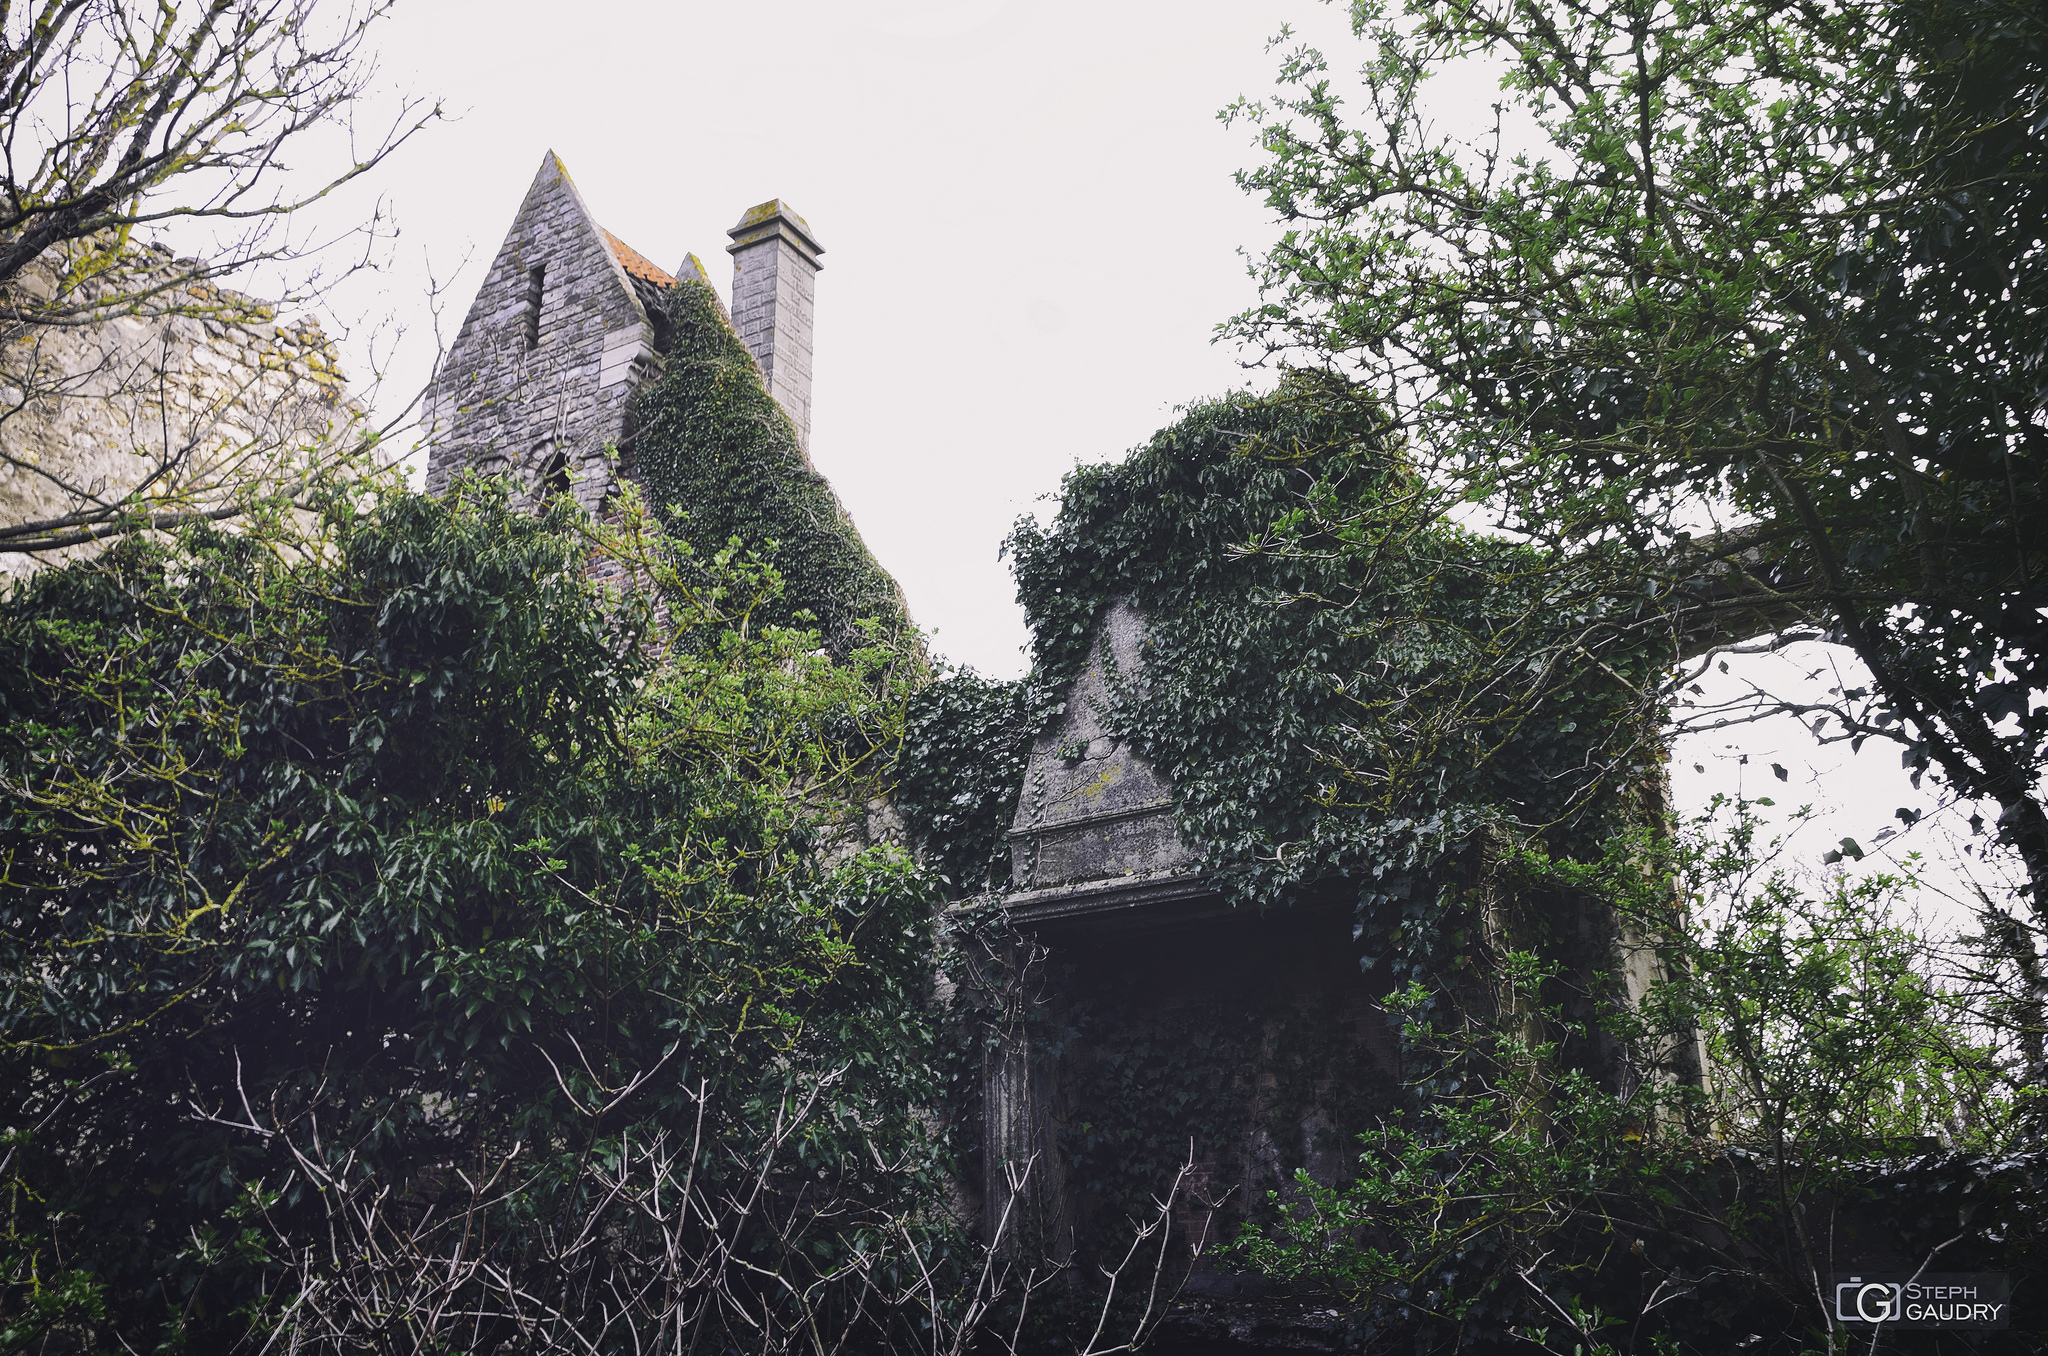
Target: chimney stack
[(774, 283)]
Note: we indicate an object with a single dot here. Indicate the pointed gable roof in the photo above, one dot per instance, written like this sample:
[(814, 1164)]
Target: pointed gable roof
[(558, 289), (554, 194), (1095, 814)]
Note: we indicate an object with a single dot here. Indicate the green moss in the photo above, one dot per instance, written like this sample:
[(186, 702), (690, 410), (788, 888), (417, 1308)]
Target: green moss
[(719, 459)]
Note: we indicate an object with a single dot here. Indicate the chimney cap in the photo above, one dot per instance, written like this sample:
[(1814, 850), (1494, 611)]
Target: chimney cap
[(775, 218)]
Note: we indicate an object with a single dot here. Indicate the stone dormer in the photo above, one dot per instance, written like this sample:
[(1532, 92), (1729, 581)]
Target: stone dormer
[(1094, 828)]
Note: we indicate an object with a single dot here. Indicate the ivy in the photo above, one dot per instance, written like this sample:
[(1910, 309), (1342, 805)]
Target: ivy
[(1332, 714), (1322, 685), (966, 742), (721, 460)]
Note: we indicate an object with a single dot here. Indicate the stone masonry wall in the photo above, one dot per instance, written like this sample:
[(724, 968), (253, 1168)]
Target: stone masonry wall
[(204, 401), (774, 301), (1093, 807), (518, 388)]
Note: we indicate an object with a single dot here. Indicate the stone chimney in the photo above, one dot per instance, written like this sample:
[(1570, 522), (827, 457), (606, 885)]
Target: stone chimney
[(774, 280)]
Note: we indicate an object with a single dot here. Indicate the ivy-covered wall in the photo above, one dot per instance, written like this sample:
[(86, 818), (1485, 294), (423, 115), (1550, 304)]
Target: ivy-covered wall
[(1345, 763), (719, 459), (1324, 716), (1252, 1042)]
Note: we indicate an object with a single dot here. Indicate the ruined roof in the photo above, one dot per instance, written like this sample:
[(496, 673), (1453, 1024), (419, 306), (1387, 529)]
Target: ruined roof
[(636, 263)]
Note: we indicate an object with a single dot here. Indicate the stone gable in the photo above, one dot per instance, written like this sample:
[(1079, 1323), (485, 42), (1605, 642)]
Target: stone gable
[(540, 377), (571, 321), (1093, 808)]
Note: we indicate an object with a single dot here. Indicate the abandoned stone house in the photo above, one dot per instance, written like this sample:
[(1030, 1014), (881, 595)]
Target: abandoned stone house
[(1120, 924), (569, 323)]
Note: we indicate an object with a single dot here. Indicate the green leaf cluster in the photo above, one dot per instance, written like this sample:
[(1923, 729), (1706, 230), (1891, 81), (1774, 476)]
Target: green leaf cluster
[(404, 843), (1754, 291), (1853, 1107), (966, 742)]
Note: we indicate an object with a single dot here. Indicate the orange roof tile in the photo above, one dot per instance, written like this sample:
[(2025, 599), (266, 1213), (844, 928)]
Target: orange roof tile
[(635, 262)]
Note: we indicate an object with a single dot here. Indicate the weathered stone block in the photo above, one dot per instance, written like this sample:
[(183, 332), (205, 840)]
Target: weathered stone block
[(210, 406), (1092, 807)]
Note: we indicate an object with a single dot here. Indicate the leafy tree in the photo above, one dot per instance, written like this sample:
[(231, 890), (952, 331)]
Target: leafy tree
[(1761, 305), (389, 890), (1525, 1203), (120, 121), (1749, 335)]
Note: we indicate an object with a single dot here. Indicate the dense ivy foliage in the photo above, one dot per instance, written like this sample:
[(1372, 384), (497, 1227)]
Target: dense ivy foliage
[(1326, 722), (965, 746), (720, 459), (1359, 704), (402, 852), (1356, 746)]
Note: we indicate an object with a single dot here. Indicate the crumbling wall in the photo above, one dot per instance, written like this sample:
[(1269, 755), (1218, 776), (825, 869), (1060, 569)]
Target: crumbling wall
[(198, 398)]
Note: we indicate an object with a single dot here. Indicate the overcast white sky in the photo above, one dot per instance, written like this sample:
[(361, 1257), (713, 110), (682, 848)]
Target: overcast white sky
[(1030, 232)]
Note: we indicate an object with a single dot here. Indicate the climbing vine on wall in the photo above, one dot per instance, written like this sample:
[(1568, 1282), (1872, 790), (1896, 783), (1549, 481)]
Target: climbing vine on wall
[(1255, 1084), (1358, 704), (720, 459), (966, 742), (1358, 710)]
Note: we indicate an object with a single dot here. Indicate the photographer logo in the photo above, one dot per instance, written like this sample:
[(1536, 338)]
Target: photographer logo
[(1974, 1299), (1861, 1301)]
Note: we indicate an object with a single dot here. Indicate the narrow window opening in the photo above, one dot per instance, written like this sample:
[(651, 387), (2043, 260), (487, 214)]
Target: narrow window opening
[(554, 472), (536, 287), (664, 328)]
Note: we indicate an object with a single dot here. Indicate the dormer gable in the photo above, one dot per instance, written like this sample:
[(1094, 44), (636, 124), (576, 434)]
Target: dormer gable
[(1095, 816), (567, 323)]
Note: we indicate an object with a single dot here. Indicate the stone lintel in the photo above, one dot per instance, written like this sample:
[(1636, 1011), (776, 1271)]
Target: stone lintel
[(1125, 902), (1149, 808)]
